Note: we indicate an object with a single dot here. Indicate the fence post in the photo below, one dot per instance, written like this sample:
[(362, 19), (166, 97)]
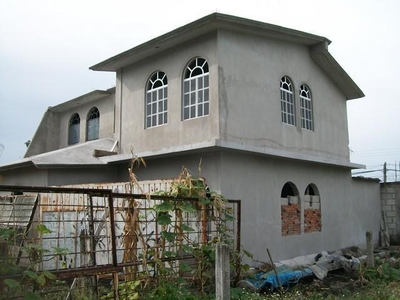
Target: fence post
[(222, 278), (370, 250)]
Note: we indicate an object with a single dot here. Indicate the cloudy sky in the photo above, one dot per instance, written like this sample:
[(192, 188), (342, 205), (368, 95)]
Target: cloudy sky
[(46, 48)]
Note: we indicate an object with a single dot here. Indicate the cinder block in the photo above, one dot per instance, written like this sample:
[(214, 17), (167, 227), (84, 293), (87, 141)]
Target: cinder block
[(316, 205), (391, 226), (315, 199), (387, 196), (390, 202), (387, 207), (293, 199), (307, 205), (307, 198), (390, 214), (284, 201)]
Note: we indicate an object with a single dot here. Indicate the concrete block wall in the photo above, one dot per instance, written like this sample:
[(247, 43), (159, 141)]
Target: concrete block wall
[(291, 215), (390, 203), (312, 214)]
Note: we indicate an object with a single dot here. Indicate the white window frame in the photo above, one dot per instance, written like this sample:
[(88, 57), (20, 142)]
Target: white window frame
[(196, 90), (156, 102), (288, 108), (306, 113)]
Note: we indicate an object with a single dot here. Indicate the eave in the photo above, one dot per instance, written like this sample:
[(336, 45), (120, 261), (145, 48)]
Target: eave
[(320, 54), (200, 27)]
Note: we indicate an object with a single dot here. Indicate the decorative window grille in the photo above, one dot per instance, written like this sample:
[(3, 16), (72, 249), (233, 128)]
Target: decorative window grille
[(306, 108), (73, 129), (157, 100), (93, 124), (287, 101), (196, 97)]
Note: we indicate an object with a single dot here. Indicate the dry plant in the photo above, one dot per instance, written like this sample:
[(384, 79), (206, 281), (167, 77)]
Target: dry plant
[(132, 231)]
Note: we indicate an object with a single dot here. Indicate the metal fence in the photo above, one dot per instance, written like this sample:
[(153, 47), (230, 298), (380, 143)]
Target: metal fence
[(101, 244)]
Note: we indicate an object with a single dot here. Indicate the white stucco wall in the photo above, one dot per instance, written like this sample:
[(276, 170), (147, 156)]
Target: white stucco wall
[(250, 69)]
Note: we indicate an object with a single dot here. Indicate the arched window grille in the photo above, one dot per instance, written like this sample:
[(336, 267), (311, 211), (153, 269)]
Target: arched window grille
[(93, 124), (74, 129), (306, 115), (157, 100), (287, 101), (196, 97)]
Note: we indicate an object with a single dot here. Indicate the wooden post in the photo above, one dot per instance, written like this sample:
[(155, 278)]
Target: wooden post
[(370, 250), (222, 278)]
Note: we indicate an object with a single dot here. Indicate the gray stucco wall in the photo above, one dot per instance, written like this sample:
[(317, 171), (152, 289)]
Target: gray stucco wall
[(250, 69), (348, 208), (47, 135), (29, 176), (130, 99), (106, 108)]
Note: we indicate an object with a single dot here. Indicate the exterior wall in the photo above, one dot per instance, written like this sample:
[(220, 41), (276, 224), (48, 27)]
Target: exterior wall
[(47, 135), (250, 69), (52, 132), (347, 206), (130, 100), (25, 176), (171, 167), (86, 175), (390, 200), (106, 108)]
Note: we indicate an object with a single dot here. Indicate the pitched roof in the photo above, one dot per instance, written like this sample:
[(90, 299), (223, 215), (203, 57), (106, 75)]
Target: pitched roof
[(72, 156), (318, 46)]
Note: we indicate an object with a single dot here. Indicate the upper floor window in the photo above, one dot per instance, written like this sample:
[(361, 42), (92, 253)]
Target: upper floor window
[(93, 124), (287, 101), (157, 100), (73, 129), (305, 108), (196, 98)]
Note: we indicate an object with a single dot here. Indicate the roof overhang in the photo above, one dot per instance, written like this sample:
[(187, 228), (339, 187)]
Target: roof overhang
[(320, 54), (200, 27), (76, 156), (83, 99), (216, 21)]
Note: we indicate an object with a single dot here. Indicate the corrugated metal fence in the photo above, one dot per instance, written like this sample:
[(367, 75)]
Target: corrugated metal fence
[(101, 239)]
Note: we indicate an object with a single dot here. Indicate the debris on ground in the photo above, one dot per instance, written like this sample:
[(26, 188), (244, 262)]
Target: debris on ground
[(316, 266)]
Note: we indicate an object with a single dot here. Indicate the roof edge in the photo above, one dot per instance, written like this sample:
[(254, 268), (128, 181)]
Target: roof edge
[(199, 27), (320, 54)]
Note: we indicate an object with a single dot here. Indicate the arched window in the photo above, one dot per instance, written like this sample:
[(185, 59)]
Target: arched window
[(290, 210), (73, 129), (287, 101), (196, 98), (312, 209), (93, 124), (157, 100), (306, 107)]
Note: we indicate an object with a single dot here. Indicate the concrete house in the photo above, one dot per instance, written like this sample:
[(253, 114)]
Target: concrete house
[(261, 106)]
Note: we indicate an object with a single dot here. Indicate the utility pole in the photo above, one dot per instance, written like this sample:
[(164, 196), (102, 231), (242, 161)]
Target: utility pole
[(384, 172)]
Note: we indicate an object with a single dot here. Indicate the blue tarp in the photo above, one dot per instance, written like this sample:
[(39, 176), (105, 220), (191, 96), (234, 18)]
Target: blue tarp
[(267, 281)]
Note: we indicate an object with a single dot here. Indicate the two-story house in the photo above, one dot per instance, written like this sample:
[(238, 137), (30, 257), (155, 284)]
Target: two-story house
[(261, 106)]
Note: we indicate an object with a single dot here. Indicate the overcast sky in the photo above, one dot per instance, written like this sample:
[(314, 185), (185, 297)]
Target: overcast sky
[(46, 48)]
